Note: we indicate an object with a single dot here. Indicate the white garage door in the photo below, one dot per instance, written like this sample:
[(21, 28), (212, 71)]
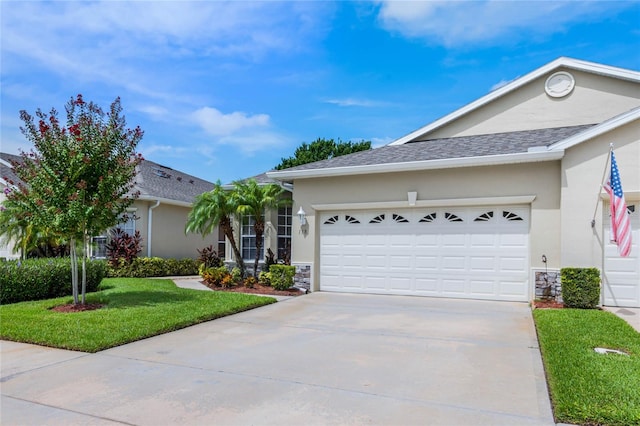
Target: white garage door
[(478, 253), (621, 278)]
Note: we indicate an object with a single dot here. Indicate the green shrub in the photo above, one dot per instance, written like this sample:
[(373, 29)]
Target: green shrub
[(142, 267), (282, 276), (580, 287), (216, 276), (38, 279), (264, 278), (236, 274)]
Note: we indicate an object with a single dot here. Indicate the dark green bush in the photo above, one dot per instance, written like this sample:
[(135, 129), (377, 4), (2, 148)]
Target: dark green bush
[(142, 267), (38, 279), (282, 276), (580, 287)]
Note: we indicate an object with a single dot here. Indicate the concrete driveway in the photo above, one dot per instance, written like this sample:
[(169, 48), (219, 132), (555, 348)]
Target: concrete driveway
[(322, 358)]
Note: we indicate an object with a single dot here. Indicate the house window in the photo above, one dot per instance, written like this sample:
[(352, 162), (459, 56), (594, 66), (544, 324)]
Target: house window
[(284, 232), (99, 242), (221, 243), (248, 238)]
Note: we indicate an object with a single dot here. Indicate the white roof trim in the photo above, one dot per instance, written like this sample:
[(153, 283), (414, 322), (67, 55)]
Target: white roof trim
[(485, 160), (163, 201), (604, 127), (575, 64), (449, 202)]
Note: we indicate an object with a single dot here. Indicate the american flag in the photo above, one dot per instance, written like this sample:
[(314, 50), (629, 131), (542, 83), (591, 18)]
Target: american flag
[(620, 227)]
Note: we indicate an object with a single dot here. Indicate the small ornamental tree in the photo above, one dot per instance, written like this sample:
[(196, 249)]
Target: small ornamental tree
[(79, 178)]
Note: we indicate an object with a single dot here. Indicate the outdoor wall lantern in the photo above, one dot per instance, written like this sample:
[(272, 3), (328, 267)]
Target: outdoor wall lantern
[(302, 215)]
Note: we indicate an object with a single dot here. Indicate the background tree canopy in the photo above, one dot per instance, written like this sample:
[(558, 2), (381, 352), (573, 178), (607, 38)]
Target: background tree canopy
[(322, 149)]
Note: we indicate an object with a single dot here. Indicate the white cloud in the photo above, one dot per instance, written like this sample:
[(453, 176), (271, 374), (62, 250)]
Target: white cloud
[(154, 111), (216, 123), (148, 150), (127, 44), (252, 142), (460, 23), (246, 132)]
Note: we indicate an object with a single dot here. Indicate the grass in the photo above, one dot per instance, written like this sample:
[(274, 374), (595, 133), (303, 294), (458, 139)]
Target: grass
[(135, 308), (588, 388)]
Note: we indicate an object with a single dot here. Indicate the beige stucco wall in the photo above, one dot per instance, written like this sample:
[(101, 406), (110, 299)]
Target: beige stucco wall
[(583, 167), (169, 239), (593, 100), (539, 179)]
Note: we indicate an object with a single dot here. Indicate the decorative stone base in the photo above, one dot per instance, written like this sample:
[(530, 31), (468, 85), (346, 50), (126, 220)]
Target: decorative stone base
[(548, 286), (302, 279)]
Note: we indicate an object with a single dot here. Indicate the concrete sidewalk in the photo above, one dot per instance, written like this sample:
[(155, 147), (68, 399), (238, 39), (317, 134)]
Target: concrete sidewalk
[(322, 358), (630, 315)]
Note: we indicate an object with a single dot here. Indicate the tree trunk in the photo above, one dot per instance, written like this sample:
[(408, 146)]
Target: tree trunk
[(84, 266), (74, 270), (259, 230), (225, 224)]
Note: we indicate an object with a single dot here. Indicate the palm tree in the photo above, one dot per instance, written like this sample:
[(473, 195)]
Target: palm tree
[(254, 199), (212, 209), (28, 239)]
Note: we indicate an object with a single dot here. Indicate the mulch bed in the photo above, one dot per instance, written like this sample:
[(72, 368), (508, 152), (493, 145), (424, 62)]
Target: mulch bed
[(547, 304), (257, 289), (77, 308)]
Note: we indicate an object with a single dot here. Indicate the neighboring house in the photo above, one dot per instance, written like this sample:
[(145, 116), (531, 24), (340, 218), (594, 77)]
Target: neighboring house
[(479, 203), (160, 213)]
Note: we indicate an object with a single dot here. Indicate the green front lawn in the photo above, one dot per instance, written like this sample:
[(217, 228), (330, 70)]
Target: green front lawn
[(586, 387), (135, 308)]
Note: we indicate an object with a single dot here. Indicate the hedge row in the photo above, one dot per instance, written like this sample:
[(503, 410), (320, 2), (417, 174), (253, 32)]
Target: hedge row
[(580, 287), (142, 267), (38, 279)]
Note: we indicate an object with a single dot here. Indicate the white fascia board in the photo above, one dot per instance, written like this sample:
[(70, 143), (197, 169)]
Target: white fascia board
[(515, 84), (604, 127), (6, 163), (447, 202), (487, 160), (164, 201)]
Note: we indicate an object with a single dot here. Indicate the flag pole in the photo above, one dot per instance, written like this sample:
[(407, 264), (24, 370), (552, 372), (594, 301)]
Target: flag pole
[(604, 175)]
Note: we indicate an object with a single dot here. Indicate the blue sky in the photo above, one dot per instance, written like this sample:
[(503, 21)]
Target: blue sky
[(224, 90)]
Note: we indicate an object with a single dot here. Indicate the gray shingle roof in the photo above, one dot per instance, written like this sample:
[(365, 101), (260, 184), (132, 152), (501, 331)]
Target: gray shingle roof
[(156, 180), (6, 172), (447, 148), (153, 180)]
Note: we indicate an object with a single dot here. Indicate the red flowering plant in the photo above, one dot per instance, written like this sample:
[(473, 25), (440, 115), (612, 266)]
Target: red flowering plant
[(79, 178)]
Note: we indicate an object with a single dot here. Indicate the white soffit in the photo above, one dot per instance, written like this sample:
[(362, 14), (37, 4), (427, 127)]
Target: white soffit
[(590, 67), (447, 163)]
